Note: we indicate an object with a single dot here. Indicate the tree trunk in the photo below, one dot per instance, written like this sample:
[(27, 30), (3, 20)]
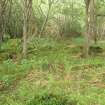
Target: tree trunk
[(47, 17), (3, 5), (27, 11), (45, 22), (90, 31)]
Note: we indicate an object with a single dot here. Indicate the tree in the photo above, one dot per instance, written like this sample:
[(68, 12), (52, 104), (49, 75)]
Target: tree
[(27, 12), (50, 3), (89, 24), (3, 5)]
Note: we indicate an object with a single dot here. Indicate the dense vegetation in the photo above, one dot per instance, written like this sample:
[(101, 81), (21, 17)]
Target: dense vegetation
[(52, 52)]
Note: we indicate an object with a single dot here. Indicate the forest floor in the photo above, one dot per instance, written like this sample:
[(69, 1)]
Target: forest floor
[(54, 73)]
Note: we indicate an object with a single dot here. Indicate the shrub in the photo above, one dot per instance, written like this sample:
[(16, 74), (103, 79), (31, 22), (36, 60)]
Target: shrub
[(52, 99)]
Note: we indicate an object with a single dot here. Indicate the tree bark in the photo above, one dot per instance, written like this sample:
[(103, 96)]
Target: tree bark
[(3, 4), (90, 26), (50, 2), (27, 11)]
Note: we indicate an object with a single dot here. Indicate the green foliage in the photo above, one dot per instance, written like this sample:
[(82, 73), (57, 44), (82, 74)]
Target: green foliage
[(54, 72), (52, 75), (51, 99)]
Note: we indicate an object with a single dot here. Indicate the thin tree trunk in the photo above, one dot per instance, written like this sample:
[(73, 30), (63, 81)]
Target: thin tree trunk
[(45, 22), (27, 11), (89, 25), (25, 38), (46, 19), (3, 5)]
